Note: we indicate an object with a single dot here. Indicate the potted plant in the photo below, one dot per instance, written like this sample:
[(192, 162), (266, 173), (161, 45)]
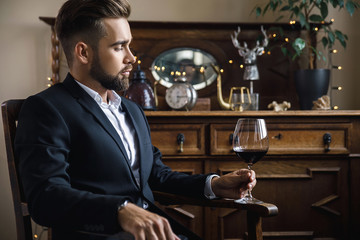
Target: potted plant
[(312, 15)]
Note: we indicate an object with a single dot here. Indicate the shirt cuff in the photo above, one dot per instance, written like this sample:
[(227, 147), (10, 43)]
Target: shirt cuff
[(209, 194)]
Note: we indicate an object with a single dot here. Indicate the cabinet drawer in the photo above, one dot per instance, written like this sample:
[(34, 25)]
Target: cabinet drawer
[(288, 138), (165, 137), (308, 138)]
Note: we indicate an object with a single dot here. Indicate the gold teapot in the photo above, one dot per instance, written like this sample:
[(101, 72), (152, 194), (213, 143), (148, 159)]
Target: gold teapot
[(236, 100)]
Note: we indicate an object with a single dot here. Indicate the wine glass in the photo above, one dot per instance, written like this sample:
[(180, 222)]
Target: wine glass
[(250, 143)]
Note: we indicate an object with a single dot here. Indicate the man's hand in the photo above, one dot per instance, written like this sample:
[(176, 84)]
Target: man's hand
[(234, 185), (144, 224)]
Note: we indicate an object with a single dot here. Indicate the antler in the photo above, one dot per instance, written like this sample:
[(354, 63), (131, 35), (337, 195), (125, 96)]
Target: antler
[(242, 50), (259, 49)]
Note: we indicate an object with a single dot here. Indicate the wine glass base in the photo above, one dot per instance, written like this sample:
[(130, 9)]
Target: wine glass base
[(248, 200)]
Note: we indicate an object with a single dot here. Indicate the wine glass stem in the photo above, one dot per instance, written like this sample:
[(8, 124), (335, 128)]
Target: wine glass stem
[(249, 191)]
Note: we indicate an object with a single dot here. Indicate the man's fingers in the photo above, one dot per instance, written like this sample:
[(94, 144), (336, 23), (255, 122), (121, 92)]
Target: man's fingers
[(145, 225)]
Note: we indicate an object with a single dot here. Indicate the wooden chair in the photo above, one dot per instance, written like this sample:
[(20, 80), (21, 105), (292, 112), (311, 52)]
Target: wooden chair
[(10, 111)]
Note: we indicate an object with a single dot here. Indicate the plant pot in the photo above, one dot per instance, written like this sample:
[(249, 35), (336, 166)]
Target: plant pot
[(311, 84)]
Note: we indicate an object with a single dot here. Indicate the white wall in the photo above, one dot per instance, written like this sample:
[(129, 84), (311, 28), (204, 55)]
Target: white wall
[(25, 55)]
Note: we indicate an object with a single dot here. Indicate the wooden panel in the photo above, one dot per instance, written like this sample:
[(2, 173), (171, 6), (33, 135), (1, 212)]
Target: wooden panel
[(307, 138), (164, 136), (288, 138), (311, 195), (220, 139)]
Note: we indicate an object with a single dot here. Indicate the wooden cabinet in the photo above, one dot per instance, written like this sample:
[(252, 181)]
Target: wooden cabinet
[(311, 171)]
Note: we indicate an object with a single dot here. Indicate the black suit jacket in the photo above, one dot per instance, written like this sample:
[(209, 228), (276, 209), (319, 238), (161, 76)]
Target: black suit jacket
[(74, 168)]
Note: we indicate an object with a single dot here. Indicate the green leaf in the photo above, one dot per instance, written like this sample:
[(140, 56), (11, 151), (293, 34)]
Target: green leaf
[(285, 8), (324, 9), (302, 20), (258, 11), (350, 7), (334, 3), (284, 51), (298, 45), (324, 41), (341, 3), (296, 10), (316, 18), (331, 37), (339, 35)]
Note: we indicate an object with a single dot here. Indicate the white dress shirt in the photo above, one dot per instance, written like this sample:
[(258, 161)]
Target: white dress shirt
[(127, 133)]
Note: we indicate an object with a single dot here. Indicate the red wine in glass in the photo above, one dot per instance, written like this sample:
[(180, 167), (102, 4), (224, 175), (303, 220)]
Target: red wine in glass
[(250, 156), (250, 143)]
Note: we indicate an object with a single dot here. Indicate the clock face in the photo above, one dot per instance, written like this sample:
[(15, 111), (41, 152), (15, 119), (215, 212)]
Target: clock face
[(177, 96)]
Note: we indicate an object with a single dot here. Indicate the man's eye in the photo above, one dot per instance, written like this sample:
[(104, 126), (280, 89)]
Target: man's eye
[(118, 48)]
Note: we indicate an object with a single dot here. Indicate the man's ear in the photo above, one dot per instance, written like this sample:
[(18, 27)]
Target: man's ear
[(82, 52)]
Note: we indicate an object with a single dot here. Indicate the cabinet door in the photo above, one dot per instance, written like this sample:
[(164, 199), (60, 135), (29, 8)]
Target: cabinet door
[(311, 192)]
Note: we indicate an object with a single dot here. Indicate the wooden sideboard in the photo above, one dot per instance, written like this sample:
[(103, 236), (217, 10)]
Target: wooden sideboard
[(315, 186)]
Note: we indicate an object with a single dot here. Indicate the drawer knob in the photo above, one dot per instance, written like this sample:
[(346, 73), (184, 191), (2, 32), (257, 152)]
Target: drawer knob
[(278, 137), (180, 140), (327, 141)]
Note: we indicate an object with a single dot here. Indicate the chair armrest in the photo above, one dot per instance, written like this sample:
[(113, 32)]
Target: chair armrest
[(262, 209)]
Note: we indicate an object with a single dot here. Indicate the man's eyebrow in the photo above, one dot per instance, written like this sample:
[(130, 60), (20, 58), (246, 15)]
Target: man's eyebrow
[(119, 43)]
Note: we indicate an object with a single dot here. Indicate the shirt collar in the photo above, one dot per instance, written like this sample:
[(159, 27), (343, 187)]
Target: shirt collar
[(114, 98)]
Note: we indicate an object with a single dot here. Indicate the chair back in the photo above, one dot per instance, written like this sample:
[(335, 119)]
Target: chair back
[(10, 113)]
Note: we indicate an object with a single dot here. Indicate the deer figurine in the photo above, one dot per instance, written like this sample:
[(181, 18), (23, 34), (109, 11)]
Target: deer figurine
[(251, 71)]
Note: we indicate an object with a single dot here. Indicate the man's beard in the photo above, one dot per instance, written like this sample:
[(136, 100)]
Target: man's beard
[(111, 82)]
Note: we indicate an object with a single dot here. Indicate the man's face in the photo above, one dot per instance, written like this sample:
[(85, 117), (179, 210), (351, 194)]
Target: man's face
[(112, 62)]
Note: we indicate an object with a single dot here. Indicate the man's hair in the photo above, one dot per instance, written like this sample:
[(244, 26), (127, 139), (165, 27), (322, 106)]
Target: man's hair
[(81, 20)]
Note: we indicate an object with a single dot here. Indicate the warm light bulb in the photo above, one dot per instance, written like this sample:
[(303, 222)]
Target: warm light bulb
[(221, 70), (336, 107), (49, 78), (274, 35), (230, 61), (269, 53), (202, 69), (241, 66), (332, 20), (316, 29), (292, 22), (333, 51), (339, 67), (339, 88), (139, 61), (163, 68), (286, 39), (172, 73)]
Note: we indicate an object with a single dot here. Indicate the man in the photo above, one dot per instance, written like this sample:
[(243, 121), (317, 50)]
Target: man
[(85, 153)]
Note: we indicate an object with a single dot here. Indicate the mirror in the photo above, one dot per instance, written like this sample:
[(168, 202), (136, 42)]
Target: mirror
[(194, 63)]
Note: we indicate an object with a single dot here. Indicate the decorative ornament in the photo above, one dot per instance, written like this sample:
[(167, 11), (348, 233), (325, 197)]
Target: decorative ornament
[(322, 103), (251, 71), (277, 107)]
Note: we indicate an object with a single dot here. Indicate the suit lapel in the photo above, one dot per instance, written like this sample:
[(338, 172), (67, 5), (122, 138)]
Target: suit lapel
[(92, 107), (140, 131)]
